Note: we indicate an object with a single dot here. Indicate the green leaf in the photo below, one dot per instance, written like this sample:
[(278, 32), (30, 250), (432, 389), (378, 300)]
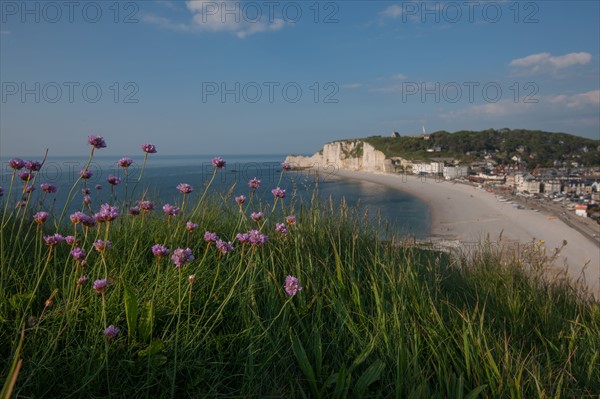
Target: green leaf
[(146, 323), (303, 362), (371, 375), (342, 384), (363, 356), (131, 310), (475, 392), (18, 300), (154, 348), (318, 351)]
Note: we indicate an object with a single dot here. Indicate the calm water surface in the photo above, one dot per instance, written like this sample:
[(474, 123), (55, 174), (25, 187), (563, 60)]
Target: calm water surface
[(403, 212)]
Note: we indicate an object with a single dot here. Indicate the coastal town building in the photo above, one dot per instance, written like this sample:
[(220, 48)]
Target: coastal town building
[(552, 186), (428, 168), (527, 183), (455, 172), (581, 210), (490, 178)]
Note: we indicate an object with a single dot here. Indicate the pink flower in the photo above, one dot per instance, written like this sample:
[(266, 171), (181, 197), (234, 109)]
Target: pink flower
[(48, 188), (107, 213), (16, 163), (53, 240), (256, 237), (85, 173), (257, 216), (77, 217), (101, 246), (242, 237), (291, 220), (33, 166), (114, 180), (26, 176), (280, 228), (170, 210), (70, 240), (88, 221), (78, 254), (185, 188), (254, 183), (146, 206), (82, 280), (149, 148), (210, 237), (111, 332), (278, 192), (240, 200), (218, 162), (224, 247), (292, 286), (189, 226), (125, 162), (285, 166), (100, 286), (40, 217), (160, 251), (96, 141), (182, 256)]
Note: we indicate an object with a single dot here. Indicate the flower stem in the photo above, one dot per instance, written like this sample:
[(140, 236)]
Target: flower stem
[(62, 214), (176, 335), (138, 180)]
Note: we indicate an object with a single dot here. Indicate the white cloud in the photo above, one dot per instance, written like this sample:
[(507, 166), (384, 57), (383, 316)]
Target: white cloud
[(580, 100), (352, 86), (542, 62), (224, 16), (395, 88), (393, 11), (167, 23), (229, 16), (399, 76), (547, 107), (412, 11)]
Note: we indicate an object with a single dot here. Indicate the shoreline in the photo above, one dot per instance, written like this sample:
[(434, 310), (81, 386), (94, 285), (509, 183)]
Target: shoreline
[(467, 214)]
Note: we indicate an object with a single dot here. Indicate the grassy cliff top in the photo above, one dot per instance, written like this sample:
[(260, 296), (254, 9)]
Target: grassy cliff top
[(534, 147)]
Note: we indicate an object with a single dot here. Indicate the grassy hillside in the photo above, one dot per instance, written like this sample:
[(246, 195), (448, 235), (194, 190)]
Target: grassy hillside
[(322, 308), (532, 146)]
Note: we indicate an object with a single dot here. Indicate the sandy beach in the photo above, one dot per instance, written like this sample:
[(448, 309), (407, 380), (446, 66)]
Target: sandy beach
[(469, 214)]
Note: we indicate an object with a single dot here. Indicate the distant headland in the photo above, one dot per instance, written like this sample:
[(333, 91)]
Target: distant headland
[(490, 149)]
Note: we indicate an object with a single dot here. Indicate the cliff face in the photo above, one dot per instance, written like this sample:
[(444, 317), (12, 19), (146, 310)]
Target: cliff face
[(352, 155)]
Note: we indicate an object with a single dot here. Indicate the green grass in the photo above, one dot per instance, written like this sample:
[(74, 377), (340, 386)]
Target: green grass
[(375, 318)]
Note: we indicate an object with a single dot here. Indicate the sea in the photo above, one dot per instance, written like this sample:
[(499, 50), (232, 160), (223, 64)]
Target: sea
[(395, 211)]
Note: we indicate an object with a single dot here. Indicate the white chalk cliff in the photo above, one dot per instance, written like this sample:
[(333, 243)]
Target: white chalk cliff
[(347, 154)]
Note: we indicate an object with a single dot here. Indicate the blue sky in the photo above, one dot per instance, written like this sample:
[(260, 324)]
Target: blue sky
[(229, 77)]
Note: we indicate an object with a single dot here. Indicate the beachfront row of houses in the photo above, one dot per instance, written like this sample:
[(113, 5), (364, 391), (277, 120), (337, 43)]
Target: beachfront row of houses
[(445, 167), (581, 189), (518, 179)]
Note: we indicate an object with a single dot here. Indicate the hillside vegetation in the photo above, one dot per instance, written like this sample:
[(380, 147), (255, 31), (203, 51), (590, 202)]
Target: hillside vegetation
[(226, 295), (533, 147)]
